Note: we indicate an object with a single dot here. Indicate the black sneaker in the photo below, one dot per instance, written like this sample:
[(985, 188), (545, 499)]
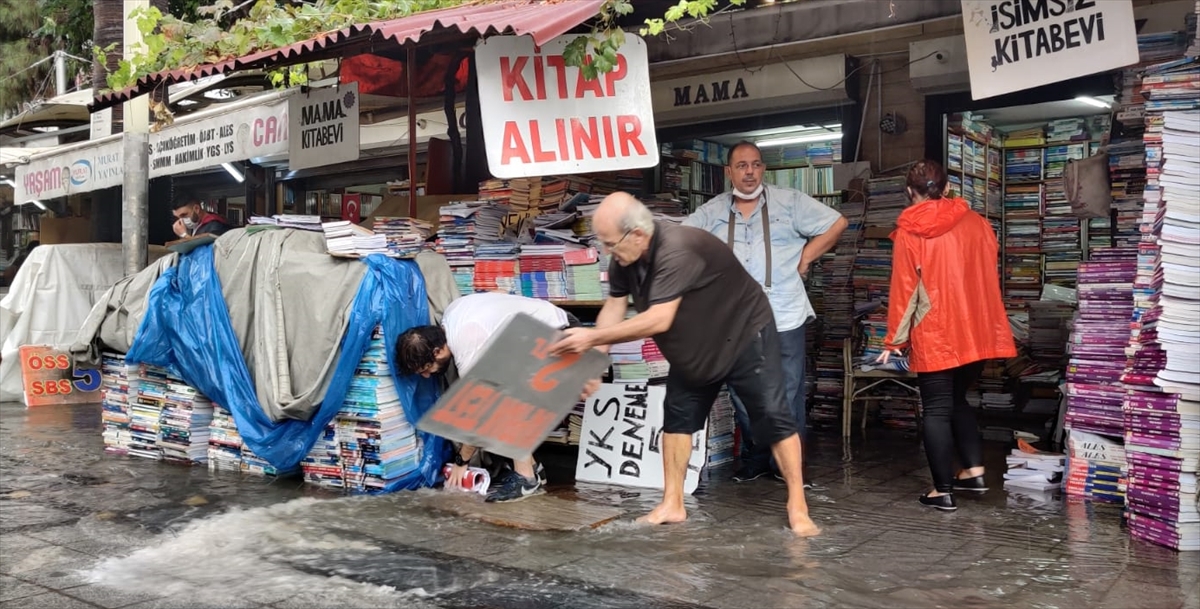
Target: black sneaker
[(941, 502), (808, 486), (515, 487), (975, 484), (750, 472)]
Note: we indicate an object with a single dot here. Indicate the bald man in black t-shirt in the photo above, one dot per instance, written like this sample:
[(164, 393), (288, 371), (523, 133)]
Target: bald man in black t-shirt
[(713, 323)]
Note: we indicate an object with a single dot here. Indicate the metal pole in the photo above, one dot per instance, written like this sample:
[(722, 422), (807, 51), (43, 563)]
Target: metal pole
[(135, 205), (60, 72), (409, 68)]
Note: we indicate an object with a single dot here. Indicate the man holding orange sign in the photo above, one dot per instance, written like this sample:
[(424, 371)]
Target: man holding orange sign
[(469, 326)]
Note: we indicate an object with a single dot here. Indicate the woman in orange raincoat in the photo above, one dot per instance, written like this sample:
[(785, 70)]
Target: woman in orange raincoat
[(945, 307)]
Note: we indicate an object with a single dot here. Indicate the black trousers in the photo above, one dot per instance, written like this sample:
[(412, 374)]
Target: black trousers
[(950, 423)]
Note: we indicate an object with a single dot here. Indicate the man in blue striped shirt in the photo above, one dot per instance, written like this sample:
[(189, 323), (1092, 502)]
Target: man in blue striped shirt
[(776, 233)]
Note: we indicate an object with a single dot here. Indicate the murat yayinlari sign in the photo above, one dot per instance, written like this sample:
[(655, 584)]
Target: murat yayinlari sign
[(1013, 45)]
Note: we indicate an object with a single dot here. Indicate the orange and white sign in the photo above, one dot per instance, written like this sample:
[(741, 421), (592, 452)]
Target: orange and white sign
[(542, 117), (50, 377)]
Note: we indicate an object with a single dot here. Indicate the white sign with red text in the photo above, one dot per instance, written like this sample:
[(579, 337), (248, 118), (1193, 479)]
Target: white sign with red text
[(245, 133), (80, 170), (542, 117)]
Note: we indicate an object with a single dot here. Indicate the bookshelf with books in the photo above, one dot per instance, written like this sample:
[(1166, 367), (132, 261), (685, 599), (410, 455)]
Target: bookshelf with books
[(973, 164)]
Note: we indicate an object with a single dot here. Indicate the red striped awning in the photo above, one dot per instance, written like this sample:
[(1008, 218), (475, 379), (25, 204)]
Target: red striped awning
[(541, 19)]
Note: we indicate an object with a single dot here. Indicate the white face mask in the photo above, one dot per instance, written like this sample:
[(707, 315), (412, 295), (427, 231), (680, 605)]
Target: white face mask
[(189, 223), (751, 196)]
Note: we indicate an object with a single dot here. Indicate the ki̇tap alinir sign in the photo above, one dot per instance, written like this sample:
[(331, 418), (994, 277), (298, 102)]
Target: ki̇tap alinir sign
[(1013, 45), (543, 117)]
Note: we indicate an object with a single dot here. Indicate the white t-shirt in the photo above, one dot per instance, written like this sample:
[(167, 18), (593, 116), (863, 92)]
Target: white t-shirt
[(471, 321)]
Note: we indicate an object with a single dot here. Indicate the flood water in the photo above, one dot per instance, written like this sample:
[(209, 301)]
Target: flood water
[(115, 531)]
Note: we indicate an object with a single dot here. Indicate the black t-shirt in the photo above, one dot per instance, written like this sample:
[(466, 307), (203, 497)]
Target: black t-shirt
[(722, 306)]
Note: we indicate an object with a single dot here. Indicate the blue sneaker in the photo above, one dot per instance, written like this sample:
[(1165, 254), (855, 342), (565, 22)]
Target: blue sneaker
[(515, 487)]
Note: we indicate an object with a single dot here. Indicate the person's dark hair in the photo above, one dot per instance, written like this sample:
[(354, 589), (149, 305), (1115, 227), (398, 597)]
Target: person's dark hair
[(416, 347), (32, 244), (928, 179), (739, 145), (184, 198)]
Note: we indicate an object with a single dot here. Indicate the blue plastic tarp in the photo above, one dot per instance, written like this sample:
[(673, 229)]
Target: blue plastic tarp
[(187, 330)]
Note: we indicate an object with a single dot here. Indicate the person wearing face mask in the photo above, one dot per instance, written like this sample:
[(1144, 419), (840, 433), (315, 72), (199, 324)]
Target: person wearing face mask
[(191, 219), (776, 233), (945, 307)]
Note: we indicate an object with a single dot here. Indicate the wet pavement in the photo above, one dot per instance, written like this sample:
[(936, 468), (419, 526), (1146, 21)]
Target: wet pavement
[(79, 528)]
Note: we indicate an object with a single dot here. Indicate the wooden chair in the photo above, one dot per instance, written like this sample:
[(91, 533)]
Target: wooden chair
[(857, 382)]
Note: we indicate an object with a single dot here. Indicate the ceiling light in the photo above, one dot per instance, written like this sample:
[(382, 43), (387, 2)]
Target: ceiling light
[(9, 182), (800, 139), (233, 171), (1091, 101), (38, 204)]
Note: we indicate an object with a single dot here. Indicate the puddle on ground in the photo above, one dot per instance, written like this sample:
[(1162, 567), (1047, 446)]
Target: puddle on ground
[(256, 538)]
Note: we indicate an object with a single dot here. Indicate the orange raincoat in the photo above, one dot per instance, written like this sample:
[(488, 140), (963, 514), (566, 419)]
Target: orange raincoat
[(945, 293)]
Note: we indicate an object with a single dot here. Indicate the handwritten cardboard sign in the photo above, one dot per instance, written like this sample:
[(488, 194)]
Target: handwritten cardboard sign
[(621, 441), (516, 393), (50, 377)]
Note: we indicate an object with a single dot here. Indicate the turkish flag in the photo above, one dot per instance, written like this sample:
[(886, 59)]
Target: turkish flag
[(352, 208)]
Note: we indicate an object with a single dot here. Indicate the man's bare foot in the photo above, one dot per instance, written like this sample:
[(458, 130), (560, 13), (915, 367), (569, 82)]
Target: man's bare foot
[(664, 514), (801, 524)]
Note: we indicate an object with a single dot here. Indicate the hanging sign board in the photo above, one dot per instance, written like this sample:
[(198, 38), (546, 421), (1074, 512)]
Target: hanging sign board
[(245, 133), (324, 127), (82, 169), (516, 394), (50, 377), (544, 118), (1013, 45), (621, 440)]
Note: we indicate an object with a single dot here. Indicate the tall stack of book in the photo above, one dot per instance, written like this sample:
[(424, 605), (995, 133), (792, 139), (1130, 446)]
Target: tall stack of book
[(224, 442), (322, 466), (496, 267), (837, 315), (720, 434), (116, 378), (543, 272), (183, 428), (343, 237), (1096, 468), (145, 413), (583, 274), (1098, 339), (639, 360), (378, 443), (405, 237), (456, 242)]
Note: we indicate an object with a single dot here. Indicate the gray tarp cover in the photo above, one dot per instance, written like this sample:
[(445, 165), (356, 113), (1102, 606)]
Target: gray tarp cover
[(288, 301)]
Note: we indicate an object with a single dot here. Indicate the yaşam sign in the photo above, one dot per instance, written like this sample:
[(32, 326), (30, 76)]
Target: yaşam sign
[(1013, 45), (80, 170), (50, 377), (621, 441), (516, 393), (324, 127), (545, 118)]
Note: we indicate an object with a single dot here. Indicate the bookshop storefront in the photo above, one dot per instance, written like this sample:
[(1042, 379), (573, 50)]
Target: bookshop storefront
[(801, 123)]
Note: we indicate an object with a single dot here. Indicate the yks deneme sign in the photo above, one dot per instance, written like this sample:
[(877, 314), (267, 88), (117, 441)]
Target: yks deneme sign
[(1013, 45), (542, 117)]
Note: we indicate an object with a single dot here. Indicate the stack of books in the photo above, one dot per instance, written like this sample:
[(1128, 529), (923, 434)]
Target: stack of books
[(1032, 471), (837, 316), (116, 378), (224, 442), (1096, 468), (145, 412), (543, 271), (496, 267), (404, 237), (721, 430), (583, 275), (1098, 339), (184, 426), (456, 242)]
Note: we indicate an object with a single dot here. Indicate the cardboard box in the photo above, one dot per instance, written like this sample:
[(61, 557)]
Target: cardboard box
[(55, 231)]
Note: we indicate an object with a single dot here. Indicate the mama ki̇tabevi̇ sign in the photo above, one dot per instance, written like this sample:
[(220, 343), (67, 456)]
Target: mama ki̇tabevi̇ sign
[(1013, 45), (544, 118), (324, 126), (621, 439)]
